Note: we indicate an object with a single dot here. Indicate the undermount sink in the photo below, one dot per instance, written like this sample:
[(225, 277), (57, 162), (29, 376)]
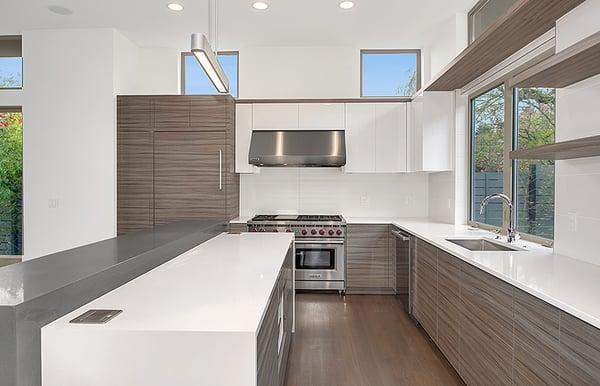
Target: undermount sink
[(482, 245)]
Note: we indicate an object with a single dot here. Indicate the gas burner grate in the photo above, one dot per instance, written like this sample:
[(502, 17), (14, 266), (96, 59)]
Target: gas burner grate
[(297, 218), (319, 218)]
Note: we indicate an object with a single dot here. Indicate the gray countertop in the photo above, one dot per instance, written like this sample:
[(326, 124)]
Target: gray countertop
[(35, 292)]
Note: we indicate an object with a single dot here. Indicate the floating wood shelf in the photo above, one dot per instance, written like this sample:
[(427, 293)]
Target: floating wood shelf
[(525, 21), (577, 148), (571, 65)]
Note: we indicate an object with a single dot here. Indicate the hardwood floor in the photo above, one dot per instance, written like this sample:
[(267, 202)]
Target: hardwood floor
[(361, 340)]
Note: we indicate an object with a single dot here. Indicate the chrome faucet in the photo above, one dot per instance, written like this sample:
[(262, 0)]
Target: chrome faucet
[(512, 234)]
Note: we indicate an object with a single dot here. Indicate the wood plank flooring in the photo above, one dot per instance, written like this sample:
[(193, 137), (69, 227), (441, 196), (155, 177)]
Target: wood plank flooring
[(361, 340)]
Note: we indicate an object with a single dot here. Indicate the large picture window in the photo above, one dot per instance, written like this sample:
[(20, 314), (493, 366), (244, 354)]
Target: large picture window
[(533, 185), (530, 183), (487, 154), (11, 182)]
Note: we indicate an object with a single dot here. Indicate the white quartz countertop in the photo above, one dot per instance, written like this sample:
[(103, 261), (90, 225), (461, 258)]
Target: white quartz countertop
[(569, 284), (241, 220), (222, 285)]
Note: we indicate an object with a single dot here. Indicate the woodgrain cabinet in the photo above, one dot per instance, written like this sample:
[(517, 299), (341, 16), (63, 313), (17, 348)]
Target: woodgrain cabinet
[(135, 187), (237, 228), (188, 176), (485, 328), (448, 308), (175, 160), (536, 347), (272, 351), (425, 287), (368, 259), (495, 334), (579, 351)]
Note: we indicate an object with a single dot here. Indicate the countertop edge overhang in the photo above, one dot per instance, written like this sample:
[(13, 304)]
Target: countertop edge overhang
[(36, 292)]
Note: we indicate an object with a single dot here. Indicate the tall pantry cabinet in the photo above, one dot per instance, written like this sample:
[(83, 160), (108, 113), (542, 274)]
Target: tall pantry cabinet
[(175, 160)]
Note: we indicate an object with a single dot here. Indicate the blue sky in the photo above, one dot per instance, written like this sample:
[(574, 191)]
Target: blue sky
[(385, 74), (11, 68), (197, 83)]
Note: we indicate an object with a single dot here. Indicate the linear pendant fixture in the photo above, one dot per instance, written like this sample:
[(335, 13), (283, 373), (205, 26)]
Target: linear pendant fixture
[(208, 60)]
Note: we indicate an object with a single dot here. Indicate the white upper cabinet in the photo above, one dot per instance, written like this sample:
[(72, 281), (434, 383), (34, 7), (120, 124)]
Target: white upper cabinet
[(321, 116), (390, 138), (360, 138), (376, 137), (275, 116), (432, 118), (243, 133)]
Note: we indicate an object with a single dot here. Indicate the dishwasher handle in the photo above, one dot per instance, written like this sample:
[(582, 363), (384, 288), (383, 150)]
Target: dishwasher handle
[(401, 236)]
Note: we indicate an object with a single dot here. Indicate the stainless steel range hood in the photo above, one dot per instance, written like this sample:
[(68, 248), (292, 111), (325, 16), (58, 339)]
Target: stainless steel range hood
[(324, 148)]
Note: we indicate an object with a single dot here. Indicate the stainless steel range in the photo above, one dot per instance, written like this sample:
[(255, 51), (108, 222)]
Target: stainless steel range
[(320, 247)]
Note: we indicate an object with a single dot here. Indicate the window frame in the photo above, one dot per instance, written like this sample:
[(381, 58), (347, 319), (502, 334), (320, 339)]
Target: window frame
[(476, 8), (391, 51), (18, 109), (508, 169), (19, 39), (182, 70)]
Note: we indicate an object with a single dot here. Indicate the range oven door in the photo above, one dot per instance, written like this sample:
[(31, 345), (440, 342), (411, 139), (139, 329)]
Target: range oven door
[(320, 260)]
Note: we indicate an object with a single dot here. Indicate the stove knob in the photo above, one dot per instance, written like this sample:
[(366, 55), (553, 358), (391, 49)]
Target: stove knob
[(331, 232), (304, 232), (275, 230), (338, 232), (288, 230), (313, 232), (322, 232), (261, 230)]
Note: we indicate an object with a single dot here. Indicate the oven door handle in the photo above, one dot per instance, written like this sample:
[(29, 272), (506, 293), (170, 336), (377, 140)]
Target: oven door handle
[(319, 241)]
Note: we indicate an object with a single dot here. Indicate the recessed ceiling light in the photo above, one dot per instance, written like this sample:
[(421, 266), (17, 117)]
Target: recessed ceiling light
[(175, 7), (60, 10), (346, 4), (260, 5)]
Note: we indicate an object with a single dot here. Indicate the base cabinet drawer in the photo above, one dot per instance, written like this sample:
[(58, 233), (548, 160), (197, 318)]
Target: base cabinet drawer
[(368, 258), (275, 333)]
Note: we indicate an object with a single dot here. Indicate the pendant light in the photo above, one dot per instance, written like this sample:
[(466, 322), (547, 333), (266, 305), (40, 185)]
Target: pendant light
[(206, 56)]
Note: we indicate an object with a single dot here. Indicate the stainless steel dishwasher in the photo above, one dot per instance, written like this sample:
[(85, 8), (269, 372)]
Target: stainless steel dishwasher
[(404, 266)]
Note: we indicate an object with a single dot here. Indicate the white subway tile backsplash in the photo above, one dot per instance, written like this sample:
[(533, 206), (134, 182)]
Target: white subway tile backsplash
[(320, 190)]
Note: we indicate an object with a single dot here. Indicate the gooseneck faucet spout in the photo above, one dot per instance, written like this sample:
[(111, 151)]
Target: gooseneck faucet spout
[(511, 233)]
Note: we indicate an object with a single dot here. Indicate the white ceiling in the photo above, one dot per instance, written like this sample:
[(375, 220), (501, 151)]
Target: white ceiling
[(372, 23)]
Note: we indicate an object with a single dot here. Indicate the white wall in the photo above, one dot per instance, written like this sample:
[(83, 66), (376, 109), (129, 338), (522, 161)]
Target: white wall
[(447, 190), (319, 190), (11, 98), (577, 211), (68, 139), (299, 72), (158, 71), (449, 39)]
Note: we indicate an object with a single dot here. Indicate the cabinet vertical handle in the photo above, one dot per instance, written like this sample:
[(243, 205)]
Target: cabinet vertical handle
[(220, 169)]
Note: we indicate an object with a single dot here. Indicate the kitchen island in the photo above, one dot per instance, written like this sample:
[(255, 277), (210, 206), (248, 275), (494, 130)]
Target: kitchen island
[(219, 314), (36, 292)]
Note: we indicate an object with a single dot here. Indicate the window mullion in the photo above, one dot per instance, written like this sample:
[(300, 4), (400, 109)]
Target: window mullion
[(508, 144)]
